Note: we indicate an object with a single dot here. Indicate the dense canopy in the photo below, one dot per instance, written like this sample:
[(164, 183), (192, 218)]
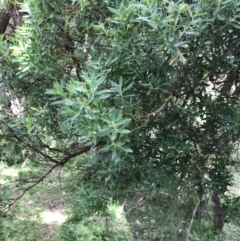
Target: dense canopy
[(148, 89)]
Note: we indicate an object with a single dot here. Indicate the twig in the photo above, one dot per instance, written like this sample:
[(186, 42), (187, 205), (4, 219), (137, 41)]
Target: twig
[(46, 146), (30, 187), (136, 205), (60, 163), (161, 108), (59, 177), (193, 216), (20, 140)]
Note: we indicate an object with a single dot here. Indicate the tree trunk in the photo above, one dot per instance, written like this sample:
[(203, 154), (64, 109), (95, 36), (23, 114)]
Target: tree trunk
[(217, 210), (228, 83), (4, 20)]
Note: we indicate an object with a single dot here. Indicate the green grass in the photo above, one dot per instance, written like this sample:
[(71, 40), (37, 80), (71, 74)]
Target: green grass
[(47, 212)]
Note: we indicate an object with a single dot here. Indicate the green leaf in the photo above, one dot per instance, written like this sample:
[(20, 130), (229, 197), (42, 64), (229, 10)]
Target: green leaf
[(71, 87), (128, 18), (236, 25), (123, 131), (227, 1), (220, 17), (76, 115), (112, 10), (107, 148), (126, 149), (191, 32), (104, 132), (181, 44), (68, 102), (98, 82), (57, 102), (150, 22), (128, 87), (123, 122), (50, 92), (190, 11), (106, 119), (100, 97)]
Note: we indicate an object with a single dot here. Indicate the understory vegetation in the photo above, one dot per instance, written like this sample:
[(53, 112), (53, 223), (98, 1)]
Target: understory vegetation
[(53, 211)]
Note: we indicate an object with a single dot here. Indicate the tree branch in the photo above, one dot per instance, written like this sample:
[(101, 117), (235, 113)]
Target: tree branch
[(161, 108), (60, 163)]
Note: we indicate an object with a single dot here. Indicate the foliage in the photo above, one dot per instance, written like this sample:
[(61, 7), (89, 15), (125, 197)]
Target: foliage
[(149, 89)]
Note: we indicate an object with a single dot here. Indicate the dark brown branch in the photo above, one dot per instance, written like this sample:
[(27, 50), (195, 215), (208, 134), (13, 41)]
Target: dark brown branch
[(4, 20), (231, 77), (60, 163), (81, 151), (30, 146), (30, 187), (161, 108), (217, 210), (48, 147)]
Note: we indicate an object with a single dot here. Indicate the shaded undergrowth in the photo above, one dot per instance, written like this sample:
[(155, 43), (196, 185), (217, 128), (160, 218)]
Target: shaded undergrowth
[(49, 212)]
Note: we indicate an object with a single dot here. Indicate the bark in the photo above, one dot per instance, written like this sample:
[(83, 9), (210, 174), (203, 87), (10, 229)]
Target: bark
[(217, 210), (4, 20), (14, 17), (228, 83)]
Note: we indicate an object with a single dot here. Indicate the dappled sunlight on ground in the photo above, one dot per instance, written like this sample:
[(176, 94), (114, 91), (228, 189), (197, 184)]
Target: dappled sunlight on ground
[(7, 172), (119, 212), (235, 190), (54, 216)]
